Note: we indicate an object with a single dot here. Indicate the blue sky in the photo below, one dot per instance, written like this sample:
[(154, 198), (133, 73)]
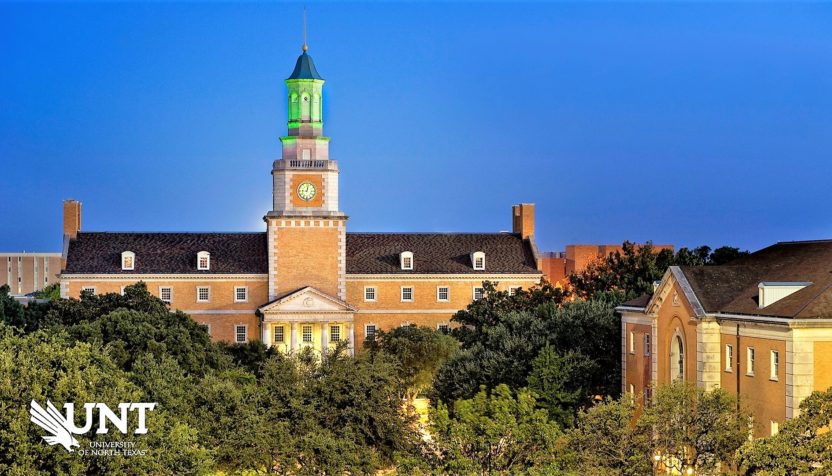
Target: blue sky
[(679, 123)]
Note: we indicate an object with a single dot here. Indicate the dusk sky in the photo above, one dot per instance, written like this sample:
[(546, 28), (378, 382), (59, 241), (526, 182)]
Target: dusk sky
[(686, 124)]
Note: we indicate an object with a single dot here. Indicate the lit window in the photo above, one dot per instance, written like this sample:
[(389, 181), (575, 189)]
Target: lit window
[(443, 328), (775, 365), (442, 294), (306, 331), (729, 358), (406, 260), (749, 357), (88, 289), (334, 333), (775, 428), (647, 349), (478, 293), (166, 294), (279, 335), (478, 260), (203, 261), (240, 333), (369, 294), (240, 294), (370, 331), (632, 343), (407, 294), (128, 260), (203, 294), (632, 389)]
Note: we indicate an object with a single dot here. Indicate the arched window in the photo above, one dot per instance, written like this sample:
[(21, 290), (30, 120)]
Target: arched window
[(128, 260), (677, 358), (304, 107), (203, 261), (294, 111)]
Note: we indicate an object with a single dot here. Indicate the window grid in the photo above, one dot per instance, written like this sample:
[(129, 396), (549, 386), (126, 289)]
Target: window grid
[(775, 365), (442, 294), (370, 331), (407, 262), (370, 294), (166, 294), (279, 334), (85, 288), (240, 333), (647, 348), (729, 358), (240, 294), (334, 333), (478, 293), (203, 294), (444, 328), (407, 294), (307, 333), (750, 355)]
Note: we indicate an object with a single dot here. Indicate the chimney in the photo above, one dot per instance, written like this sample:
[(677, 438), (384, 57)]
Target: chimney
[(72, 218), (522, 219)]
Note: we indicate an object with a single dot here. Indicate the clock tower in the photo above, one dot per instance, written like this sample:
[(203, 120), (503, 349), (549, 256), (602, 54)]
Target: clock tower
[(306, 231)]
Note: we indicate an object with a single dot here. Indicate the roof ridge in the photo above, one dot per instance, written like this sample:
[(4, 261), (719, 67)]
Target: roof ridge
[(175, 232)]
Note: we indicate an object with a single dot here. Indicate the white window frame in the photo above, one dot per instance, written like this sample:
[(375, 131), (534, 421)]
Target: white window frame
[(209, 294), (412, 292), (447, 294), (406, 260), (122, 290), (445, 325), (632, 345), (245, 292), (89, 288), (474, 291), (282, 339), (334, 327), (303, 334), (774, 365), (729, 358), (373, 290), (648, 344), (170, 289), (208, 325), (237, 333), (774, 427), (125, 255), (750, 361), (199, 265), (367, 333), (512, 290), (475, 257)]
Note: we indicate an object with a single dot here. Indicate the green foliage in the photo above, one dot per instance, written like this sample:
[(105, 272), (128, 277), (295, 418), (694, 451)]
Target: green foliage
[(494, 433), (632, 271), (560, 382), (11, 311), (51, 292), (420, 351), (801, 447)]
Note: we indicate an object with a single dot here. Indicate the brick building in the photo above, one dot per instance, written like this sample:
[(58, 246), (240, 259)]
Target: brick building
[(760, 327), (305, 281), (558, 265), (26, 273)]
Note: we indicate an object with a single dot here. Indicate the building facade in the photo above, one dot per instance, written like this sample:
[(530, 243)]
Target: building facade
[(306, 281), (26, 273), (759, 327)]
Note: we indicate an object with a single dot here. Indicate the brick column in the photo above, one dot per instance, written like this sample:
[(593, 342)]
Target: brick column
[(708, 345)]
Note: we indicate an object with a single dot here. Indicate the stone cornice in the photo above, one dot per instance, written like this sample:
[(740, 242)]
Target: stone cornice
[(164, 277)]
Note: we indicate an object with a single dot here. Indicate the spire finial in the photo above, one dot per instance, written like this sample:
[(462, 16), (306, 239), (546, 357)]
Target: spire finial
[(305, 46)]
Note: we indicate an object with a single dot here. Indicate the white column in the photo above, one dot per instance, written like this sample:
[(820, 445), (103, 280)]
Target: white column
[(800, 371), (294, 341), (267, 334), (352, 337), (708, 346), (324, 334)]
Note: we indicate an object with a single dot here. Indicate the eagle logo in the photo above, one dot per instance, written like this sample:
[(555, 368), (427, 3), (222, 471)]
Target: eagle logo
[(53, 422)]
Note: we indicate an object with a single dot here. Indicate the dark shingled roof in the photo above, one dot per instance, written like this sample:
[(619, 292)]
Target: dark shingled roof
[(169, 253), (305, 68), (733, 288), (440, 253), (640, 301), (246, 253)]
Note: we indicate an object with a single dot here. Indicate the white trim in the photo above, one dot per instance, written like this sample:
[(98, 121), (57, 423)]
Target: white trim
[(476, 255), (236, 333), (132, 257), (406, 260), (86, 288), (366, 331), (412, 291), (729, 358), (207, 256), (217, 311), (447, 293), (197, 294), (750, 363), (375, 293), (245, 290), (474, 293), (774, 369), (164, 277), (170, 288), (535, 278), (407, 311)]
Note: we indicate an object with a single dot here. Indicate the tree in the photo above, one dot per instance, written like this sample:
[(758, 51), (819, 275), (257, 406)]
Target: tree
[(492, 433), (801, 447), (51, 292), (420, 351), (560, 382)]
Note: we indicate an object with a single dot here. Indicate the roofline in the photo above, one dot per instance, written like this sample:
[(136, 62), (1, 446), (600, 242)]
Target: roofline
[(176, 232), (31, 253)]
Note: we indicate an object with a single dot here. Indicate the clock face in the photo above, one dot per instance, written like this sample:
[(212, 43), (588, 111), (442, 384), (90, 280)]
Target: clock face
[(306, 191)]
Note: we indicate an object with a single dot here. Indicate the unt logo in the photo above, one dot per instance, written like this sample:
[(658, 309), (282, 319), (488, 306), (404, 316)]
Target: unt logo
[(61, 427)]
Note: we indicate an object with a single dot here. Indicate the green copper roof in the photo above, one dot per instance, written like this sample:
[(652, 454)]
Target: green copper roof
[(305, 68)]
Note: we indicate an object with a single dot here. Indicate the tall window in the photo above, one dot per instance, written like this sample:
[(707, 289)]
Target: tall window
[(632, 343), (306, 332), (406, 260), (729, 358), (203, 261), (240, 294), (677, 359), (775, 365), (334, 333), (442, 294), (203, 294), (750, 356), (369, 294), (478, 293), (407, 294), (279, 334), (647, 348), (166, 294), (240, 334), (370, 331), (128, 260)]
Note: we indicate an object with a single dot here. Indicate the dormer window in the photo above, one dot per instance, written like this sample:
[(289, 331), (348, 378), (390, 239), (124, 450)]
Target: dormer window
[(128, 261), (478, 260), (406, 260), (203, 261)]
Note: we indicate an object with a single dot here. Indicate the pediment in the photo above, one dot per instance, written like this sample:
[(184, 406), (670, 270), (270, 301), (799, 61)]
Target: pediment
[(307, 300)]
